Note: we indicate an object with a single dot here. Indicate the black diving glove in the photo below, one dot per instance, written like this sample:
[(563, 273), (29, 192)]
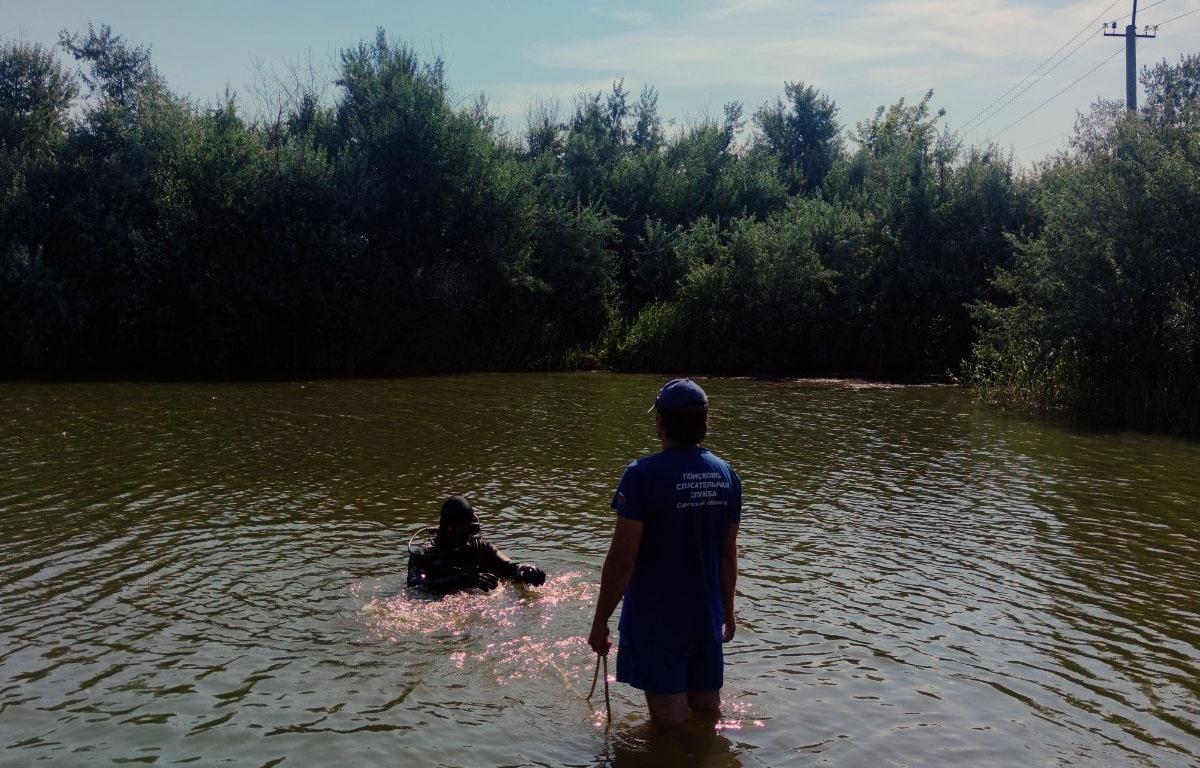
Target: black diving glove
[(483, 580), (531, 574)]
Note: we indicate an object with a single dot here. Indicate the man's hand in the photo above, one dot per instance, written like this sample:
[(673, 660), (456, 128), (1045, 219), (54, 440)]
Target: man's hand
[(483, 580), (598, 639), (730, 629), (531, 574)]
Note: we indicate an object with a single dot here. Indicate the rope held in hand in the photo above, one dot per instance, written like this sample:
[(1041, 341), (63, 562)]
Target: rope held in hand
[(595, 677)]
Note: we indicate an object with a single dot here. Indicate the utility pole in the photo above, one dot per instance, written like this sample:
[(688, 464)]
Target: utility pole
[(1131, 35)]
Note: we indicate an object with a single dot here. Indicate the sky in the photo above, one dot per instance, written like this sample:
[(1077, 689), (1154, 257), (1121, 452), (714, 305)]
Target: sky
[(698, 54)]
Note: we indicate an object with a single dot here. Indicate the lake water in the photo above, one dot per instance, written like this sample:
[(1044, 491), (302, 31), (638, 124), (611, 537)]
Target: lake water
[(213, 574)]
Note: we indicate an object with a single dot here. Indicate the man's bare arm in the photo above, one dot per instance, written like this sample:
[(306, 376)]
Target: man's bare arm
[(614, 577), (729, 566)]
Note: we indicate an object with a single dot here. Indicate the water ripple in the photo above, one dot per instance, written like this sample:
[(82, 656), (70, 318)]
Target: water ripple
[(207, 572)]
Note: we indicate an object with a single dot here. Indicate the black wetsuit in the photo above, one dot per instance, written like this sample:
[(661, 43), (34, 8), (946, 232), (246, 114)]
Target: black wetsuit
[(445, 570)]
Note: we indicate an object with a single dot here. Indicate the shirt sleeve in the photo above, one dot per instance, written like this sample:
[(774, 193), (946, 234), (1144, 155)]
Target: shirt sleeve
[(629, 500), (735, 505)]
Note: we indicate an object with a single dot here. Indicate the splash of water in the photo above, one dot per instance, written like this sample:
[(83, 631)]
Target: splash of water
[(409, 613)]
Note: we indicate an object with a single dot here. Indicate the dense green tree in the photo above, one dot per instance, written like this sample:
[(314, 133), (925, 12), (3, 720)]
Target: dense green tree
[(656, 265), (435, 205), (647, 133), (1173, 92), (894, 176), (752, 300), (105, 232), (803, 133), (596, 137), (113, 69), (36, 93), (1102, 316), (572, 266)]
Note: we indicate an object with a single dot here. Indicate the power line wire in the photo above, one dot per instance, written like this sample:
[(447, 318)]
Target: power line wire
[(1055, 96), (1142, 10), (1059, 62), (1176, 18), (1044, 141), (1089, 25), (1040, 78), (1078, 80)]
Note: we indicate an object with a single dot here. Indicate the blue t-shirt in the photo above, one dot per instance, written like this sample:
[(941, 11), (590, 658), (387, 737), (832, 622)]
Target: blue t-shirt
[(687, 498)]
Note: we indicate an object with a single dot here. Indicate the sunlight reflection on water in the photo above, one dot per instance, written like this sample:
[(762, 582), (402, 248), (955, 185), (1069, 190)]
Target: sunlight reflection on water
[(410, 612)]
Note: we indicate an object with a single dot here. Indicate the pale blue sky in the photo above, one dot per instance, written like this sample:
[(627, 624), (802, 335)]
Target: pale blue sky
[(698, 54)]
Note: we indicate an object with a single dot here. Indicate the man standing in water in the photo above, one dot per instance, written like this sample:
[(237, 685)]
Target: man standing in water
[(673, 558)]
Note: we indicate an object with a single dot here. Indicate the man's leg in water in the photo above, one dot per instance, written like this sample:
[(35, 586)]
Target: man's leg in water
[(673, 709), (705, 702), (669, 709)]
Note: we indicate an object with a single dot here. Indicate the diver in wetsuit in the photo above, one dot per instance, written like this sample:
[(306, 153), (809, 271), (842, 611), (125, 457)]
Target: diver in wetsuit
[(458, 557)]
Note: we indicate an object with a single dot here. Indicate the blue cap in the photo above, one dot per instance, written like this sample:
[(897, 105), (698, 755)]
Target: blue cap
[(680, 395)]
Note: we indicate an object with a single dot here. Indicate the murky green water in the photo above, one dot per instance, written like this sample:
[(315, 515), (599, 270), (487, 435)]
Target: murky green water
[(212, 573)]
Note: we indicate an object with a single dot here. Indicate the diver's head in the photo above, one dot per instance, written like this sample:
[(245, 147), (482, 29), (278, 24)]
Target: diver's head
[(458, 524)]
